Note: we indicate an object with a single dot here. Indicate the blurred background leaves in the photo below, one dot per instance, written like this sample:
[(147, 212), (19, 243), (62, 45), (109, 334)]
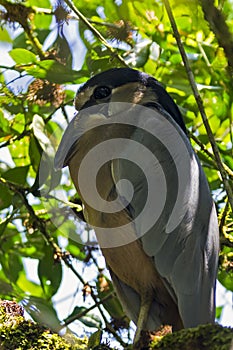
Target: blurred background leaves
[(51, 51)]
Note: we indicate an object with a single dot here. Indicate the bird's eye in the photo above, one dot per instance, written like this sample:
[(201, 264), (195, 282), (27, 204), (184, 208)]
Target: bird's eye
[(101, 92)]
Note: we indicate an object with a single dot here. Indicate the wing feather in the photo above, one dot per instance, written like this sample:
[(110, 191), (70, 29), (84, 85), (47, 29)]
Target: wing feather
[(183, 240)]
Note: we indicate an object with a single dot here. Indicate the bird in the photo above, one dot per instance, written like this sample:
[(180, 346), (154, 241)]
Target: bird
[(150, 206)]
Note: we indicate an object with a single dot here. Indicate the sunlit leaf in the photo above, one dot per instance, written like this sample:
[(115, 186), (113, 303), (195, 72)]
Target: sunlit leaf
[(38, 126), (54, 72), (226, 279), (23, 56), (29, 287), (4, 125), (4, 35), (140, 54), (218, 313)]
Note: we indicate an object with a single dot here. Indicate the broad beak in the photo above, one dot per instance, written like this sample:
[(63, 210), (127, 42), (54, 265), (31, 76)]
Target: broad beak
[(67, 146), (81, 123)]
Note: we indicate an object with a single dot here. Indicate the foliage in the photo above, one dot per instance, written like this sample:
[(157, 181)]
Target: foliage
[(110, 34), (16, 332)]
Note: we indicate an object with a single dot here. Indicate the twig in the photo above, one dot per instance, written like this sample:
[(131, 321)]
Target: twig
[(34, 40), (199, 102), (42, 10), (41, 226), (223, 216), (73, 318), (225, 242), (218, 25), (95, 32), (98, 304), (209, 154), (69, 264), (20, 13), (28, 132), (15, 138)]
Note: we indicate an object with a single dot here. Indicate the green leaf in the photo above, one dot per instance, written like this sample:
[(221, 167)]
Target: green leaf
[(140, 54), (50, 273), (4, 125), (23, 56), (19, 152), (55, 72), (35, 243), (226, 279), (42, 311), (4, 35), (95, 339), (70, 95), (35, 152), (5, 197), (17, 175), (18, 124), (5, 286), (17, 201), (15, 266), (38, 127), (112, 305), (46, 175), (30, 251), (29, 287), (89, 319), (21, 42), (12, 265), (41, 20), (218, 312), (76, 249)]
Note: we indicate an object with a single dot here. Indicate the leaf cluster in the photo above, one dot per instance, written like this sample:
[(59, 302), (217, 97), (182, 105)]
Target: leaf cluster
[(55, 48)]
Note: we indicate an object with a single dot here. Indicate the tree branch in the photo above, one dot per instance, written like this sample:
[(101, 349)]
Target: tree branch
[(209, 154), (40, 224), (199, 102), (95, 32), (20, 13), (218, 25)]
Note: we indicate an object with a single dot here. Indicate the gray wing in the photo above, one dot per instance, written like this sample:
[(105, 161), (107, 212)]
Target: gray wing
[(173, 213)]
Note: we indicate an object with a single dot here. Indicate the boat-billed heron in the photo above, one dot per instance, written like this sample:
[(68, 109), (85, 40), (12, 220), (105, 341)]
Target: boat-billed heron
[(144, 192)]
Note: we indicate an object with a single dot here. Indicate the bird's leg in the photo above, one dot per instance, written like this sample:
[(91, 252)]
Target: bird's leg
[(142, 319)]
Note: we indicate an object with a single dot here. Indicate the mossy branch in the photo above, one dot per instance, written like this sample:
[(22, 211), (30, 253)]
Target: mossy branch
[(205, 337), (17, 333)]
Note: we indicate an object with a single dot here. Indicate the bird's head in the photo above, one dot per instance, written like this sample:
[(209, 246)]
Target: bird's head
[(123, 85)]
